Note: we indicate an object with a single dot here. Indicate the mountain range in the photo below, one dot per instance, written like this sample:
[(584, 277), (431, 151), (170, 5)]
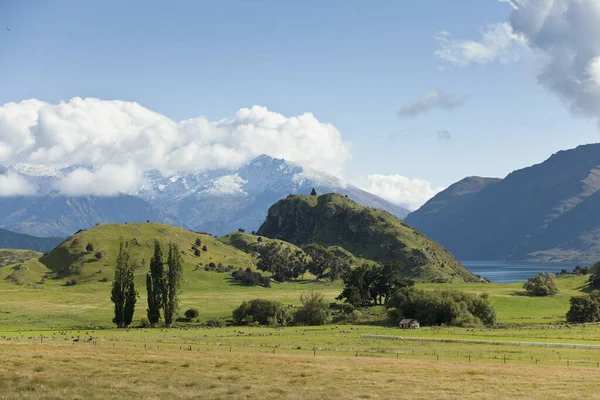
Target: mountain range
[(11, 240), (217, 202), (546, 212)]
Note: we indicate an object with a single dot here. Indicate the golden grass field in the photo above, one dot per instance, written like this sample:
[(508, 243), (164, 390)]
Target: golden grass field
[(53, 371)]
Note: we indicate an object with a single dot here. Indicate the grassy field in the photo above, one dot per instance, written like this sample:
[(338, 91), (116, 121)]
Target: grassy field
[(57, 341), (35, 371)]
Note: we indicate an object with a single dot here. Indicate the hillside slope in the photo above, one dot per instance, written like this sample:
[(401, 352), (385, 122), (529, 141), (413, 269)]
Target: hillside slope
[(545, 212), (334, 220), (71, 259), (13, 240)]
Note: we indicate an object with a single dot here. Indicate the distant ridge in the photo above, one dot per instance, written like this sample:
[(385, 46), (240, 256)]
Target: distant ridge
[(546, 212), (12, 240)]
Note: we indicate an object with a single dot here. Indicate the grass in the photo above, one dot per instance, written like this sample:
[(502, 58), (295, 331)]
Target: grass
[(32, 371), (40, 318)]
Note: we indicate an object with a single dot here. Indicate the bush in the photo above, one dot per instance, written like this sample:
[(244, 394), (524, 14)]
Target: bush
[(197, 252), (104, 279), (144, 323), (191, 313), (98, 255), (263, 312), (442, 307), (71, 282), (215, 323), (544, 284), (198, 242), (584, 308), (250, 278), (89, 247), (204, 248), (314, 310)]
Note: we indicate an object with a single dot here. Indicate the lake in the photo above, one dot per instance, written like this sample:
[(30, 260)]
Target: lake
[(509, 271)]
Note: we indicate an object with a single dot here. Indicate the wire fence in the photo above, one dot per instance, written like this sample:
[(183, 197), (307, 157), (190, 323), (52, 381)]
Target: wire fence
[(425, 353)]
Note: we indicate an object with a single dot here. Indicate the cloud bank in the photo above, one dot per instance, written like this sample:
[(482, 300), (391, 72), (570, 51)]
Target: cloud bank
[(434, 99), (410, 193), (12, 184), (97, 132)]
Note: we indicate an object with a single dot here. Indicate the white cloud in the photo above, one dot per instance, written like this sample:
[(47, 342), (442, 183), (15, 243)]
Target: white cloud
[(97, 132), (564, 36), (11, 184), (498, 43), (434, 99), (411, 193), (107, 180)]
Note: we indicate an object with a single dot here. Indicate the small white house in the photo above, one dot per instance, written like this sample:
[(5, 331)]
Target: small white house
[(409, 324)]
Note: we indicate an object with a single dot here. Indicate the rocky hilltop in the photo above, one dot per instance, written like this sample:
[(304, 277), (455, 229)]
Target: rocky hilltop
[(335, 220)]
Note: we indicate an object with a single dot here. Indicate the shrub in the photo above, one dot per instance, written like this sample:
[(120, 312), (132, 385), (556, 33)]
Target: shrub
[(104, 279), (215, 323), (197, 252), (442, 307), (89, 247), (198, 242), (263, 312), (584, 308), (248, 277), (544, 284), (204, 248), (260, 239), (144, 323), (71, 282), (314, 310), (191, 313), (98, 255)]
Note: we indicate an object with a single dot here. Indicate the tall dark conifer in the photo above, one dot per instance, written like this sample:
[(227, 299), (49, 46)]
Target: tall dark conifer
[(156, 285), (123, 293), (174, 275)]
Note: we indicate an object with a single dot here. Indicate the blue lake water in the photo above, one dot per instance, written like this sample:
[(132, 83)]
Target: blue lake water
[(508, 271)]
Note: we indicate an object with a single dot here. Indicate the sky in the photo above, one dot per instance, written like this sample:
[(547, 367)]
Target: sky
[(402, 98)]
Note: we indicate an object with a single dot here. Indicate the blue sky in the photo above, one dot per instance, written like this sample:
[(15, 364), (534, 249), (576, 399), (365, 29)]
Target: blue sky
[(353, 64)]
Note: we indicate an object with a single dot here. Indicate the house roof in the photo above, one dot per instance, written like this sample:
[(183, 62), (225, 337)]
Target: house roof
[(408, 321)]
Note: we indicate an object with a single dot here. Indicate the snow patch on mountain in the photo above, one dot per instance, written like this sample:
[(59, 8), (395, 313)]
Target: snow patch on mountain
[(228, 185)]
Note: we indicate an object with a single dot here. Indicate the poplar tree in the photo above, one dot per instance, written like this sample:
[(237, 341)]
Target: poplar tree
[(156, 285), (123, 293), (174, 276)]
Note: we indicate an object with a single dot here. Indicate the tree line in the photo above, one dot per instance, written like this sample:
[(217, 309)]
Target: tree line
[(162, 284)]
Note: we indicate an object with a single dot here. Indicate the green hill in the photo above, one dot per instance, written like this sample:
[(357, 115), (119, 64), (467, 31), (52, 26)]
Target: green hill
[(72, 260), (334, 220)]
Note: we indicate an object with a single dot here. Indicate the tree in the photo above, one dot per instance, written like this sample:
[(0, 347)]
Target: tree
[(98, 255), (372, 284), (584, 308), (197, 252), (314, 310), (544, 284), (204, 248), (442, 307), (191, 313), (264, 312), (174, 276), (89, 247), (283, 263), (241, 230), (156, 285), (123, 293), (321, 259), (198, 242), (314, 192)]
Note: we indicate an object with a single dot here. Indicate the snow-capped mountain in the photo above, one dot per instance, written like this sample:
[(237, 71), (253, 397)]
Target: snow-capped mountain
[(223, 201), (217, 202)]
